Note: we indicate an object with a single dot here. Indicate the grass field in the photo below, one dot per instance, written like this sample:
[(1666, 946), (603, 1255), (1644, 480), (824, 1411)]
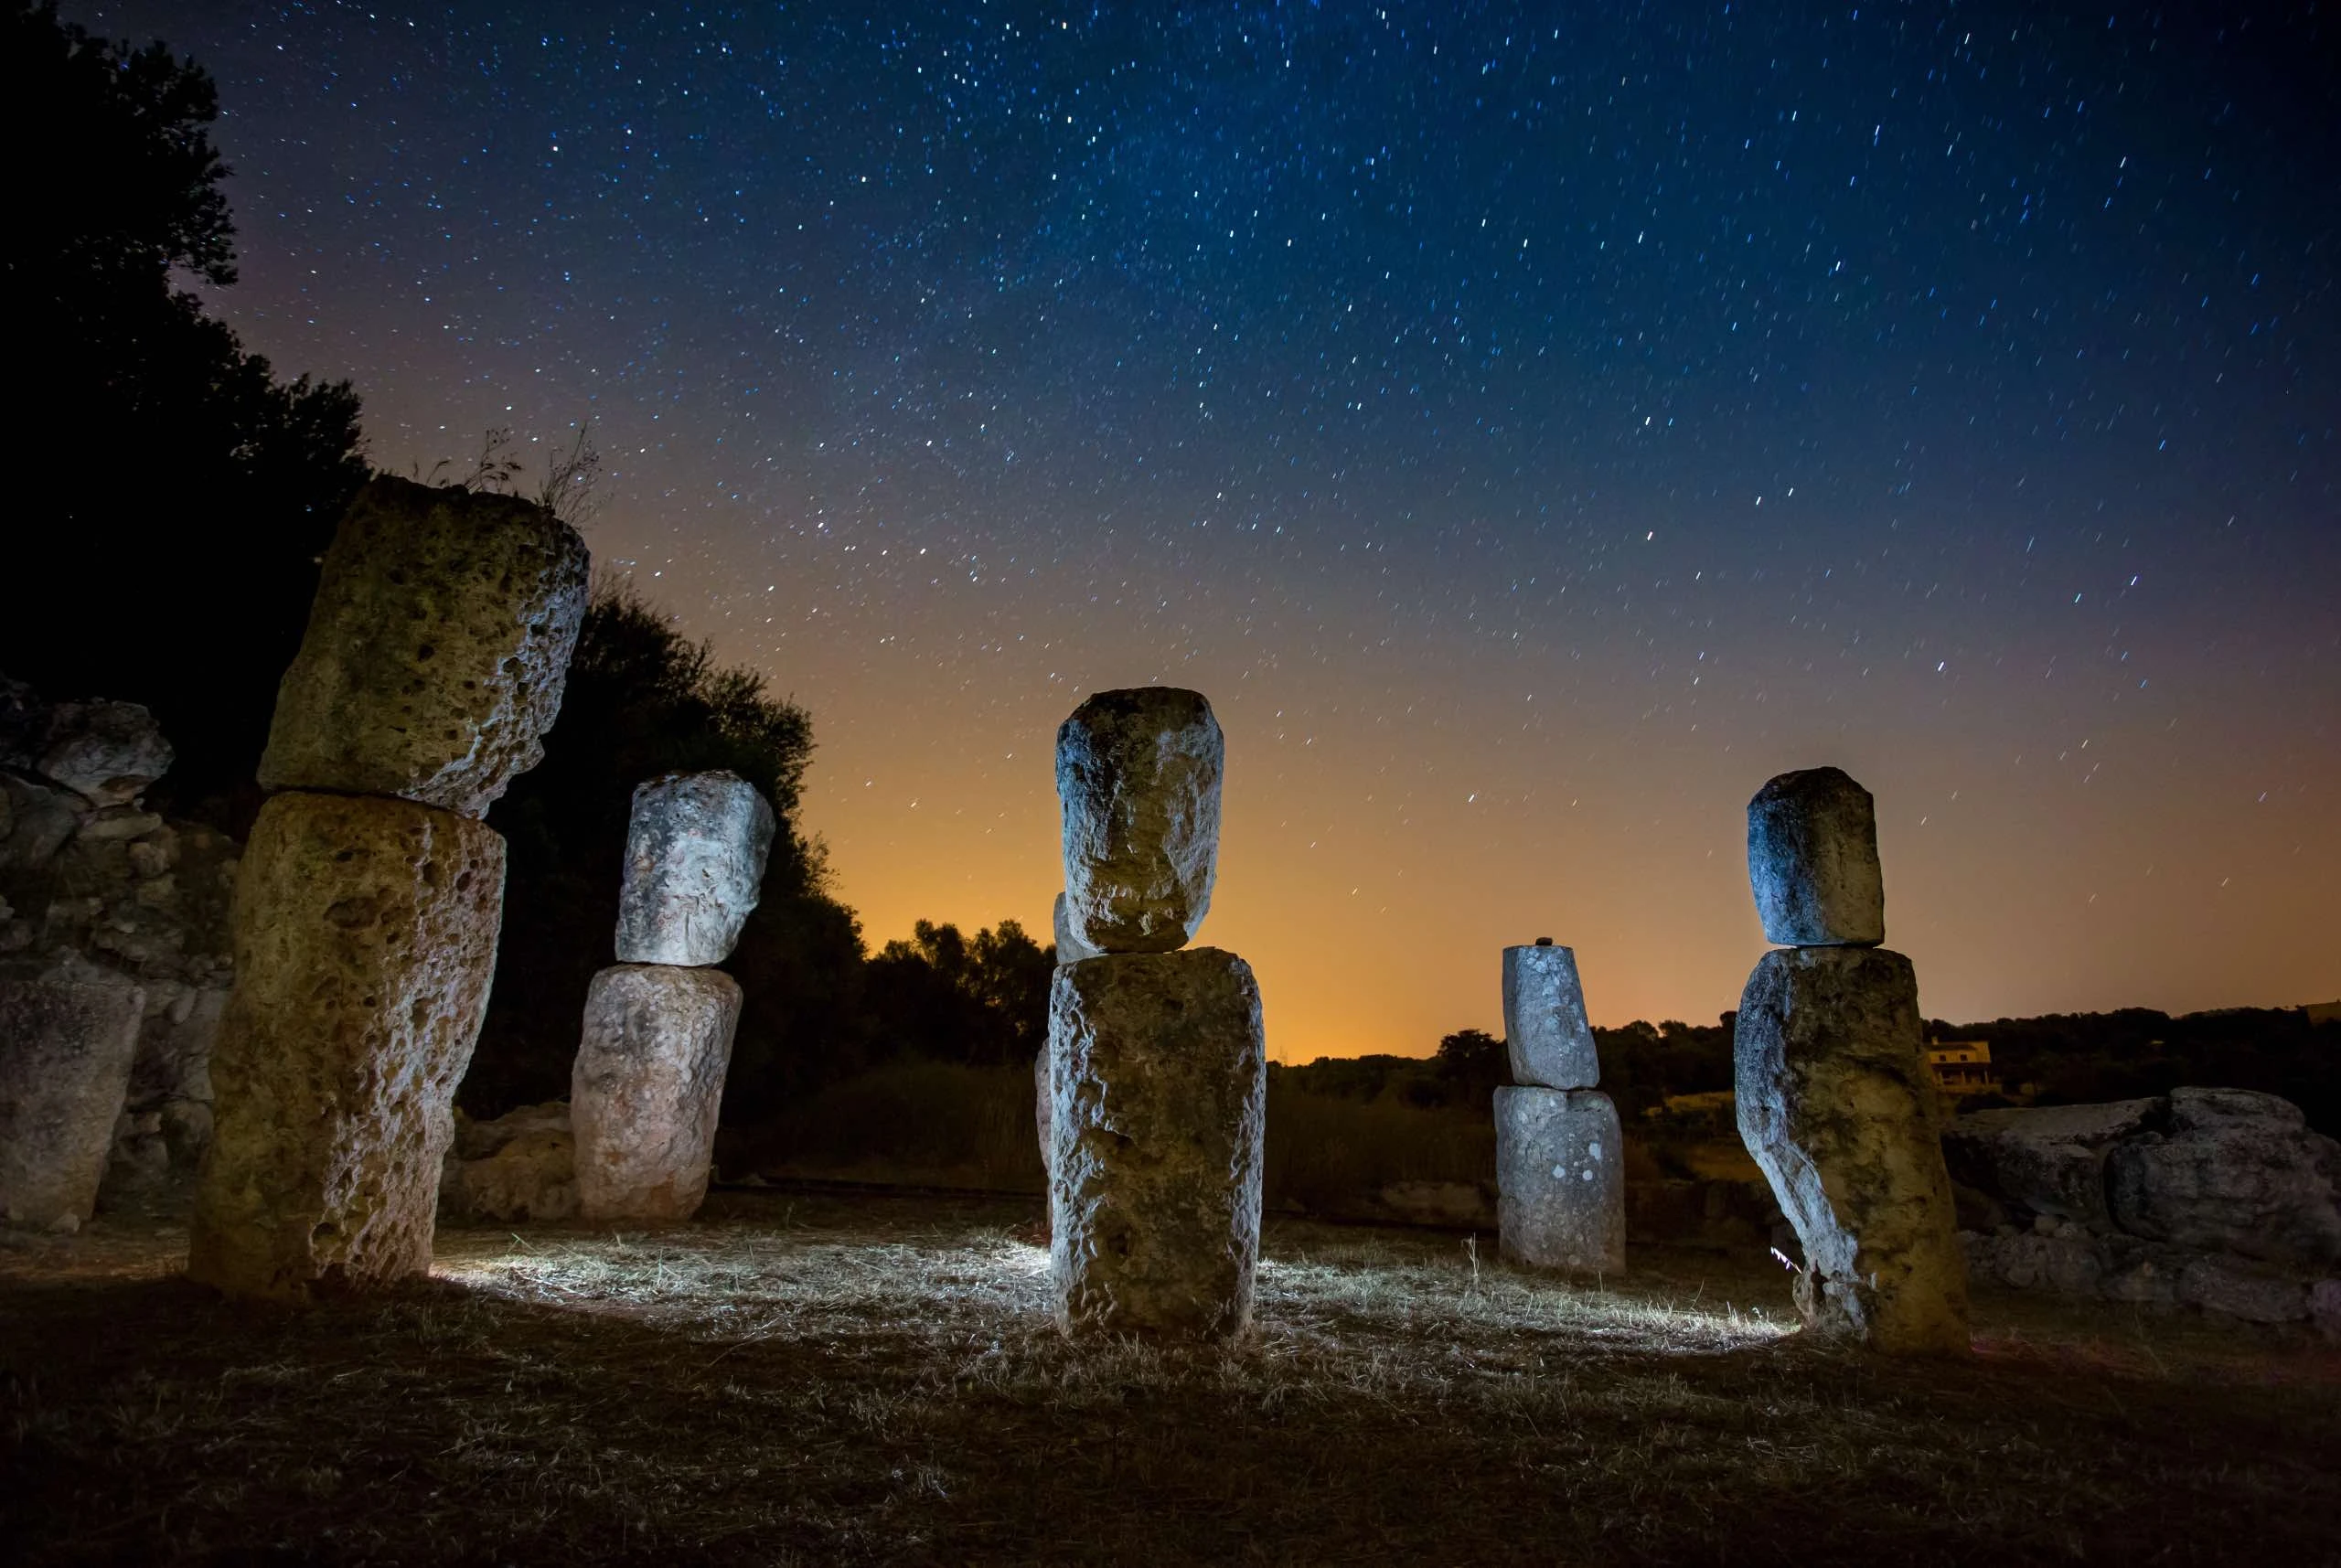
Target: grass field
[(820, 1380)]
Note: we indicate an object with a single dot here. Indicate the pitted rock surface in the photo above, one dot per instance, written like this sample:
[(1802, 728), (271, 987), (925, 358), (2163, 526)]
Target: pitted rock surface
[(1138, 776), (1813, 861), (1158, 1075), (437, 649), (68, 1033), (695, 853), (365, 939), (648, 1083), (1836, 1105), (1546, 1030), (2237, 1172), (1560, 1179)]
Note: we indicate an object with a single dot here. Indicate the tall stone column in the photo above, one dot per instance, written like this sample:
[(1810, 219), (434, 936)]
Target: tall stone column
[(370, 900), (1834, 1099), (1560, 1153), (648, 1083), (1157, 1058)]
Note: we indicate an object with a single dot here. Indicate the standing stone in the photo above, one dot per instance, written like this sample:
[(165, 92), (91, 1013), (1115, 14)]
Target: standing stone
[(695, 853), (66, 1038), (1042, 1095), (1138, 775), (1071, 948), (365, 940), (1812, 860), (437, 652), (1546, 1030), (1159, 1072), (648, 1083), (1837, 1106), (1560, 1176)]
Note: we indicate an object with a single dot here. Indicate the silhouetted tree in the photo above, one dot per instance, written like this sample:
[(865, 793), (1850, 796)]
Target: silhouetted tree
[(981, 1000), (1471, 1064), (180, 494)]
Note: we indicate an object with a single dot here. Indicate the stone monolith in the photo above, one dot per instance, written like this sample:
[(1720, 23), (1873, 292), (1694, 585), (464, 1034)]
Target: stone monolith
[(1158, 1075), (68, 1033), (1560, 1176), (1813, 861), (695, 853), (365, 940), (647, 1087), (1546, 1033), (437, 652), (1138, 777), (1836, 1104)]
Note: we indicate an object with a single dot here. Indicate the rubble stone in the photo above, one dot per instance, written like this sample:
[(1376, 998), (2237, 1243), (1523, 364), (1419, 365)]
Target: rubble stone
[(1138, 777), (695, 853), (1158, 1075), (520, 1166), (67, 1033), (437, 648), (2238, 1171), (365, 939), (1813, 861), (1836, 1105), (647, 1086), (1560, 1176), (1546, 1030)]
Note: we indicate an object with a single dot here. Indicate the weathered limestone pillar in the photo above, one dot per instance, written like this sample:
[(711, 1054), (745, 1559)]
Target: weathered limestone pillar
[(1157, 1061), (371, 897), (648, 1083), (1836, 1102), (1560, 1154), (68, 1035)]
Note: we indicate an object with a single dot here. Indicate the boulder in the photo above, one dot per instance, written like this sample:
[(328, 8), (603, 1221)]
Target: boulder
[(1546, 1030), (1813, 861), (437, 648), (1138, 775), (695, 853), (2238, 1288), (1158, 1075), (38, 821), (519, 1167), (1071, 948), (1837, 1107), (1561, 1179), (68, 1034), (365, 939), (2060, 1264), (2237, 1172), (646, 1088), (107, 753), (2049, 1160)]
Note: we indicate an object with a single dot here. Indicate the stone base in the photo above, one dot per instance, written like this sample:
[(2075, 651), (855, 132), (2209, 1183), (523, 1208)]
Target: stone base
[(66, 1038), (646, 1088), (1837, 1107), (1159, 1078), (1561, 1179), (365, 934)]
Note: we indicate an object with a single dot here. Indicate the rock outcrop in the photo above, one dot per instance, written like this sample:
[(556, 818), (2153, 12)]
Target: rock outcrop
[(437, 652), (1139, 779), (68, 1034), (647, 1089), (1159, 1079), (1813, 861), (695, 854), (1560, 1172), (2235, 1171)]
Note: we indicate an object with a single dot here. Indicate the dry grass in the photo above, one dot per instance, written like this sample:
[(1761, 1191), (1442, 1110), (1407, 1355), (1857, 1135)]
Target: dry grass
[(812, 1380)]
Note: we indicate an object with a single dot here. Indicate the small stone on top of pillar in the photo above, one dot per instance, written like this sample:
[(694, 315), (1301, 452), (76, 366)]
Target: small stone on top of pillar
[(1813, 861)]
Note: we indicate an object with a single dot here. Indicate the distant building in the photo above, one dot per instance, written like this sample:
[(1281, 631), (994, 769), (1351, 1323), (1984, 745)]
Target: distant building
[(1962, 1067)]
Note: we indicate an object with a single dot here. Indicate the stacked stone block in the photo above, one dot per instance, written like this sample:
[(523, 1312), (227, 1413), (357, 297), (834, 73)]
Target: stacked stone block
[(370, 899), (1157, 1061), (1836, 1102), (1560, 1154), (648, 1082)]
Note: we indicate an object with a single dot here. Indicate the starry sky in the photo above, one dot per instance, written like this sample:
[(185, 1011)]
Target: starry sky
[(1532, 427)]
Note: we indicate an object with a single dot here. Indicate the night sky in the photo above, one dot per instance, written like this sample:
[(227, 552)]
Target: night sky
[(1531, 428)]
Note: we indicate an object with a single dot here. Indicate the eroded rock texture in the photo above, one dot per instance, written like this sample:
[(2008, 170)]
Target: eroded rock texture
[(365, 939), (648, 1084), (437, 649), (1071, 948), (1159, 1078), (1813, 861), (1139, 776), (2049, 1160), (695, 853), (2237, 1172), (520, 1166), (68, 1033), (1560, 1176), (1837, 1107), (1546, 1032)]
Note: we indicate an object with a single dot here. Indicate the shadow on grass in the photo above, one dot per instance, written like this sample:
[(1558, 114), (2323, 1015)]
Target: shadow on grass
[(877, 1381)]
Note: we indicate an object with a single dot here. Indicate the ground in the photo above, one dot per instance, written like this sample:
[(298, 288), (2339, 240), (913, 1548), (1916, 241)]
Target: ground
[(824, 1378)]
